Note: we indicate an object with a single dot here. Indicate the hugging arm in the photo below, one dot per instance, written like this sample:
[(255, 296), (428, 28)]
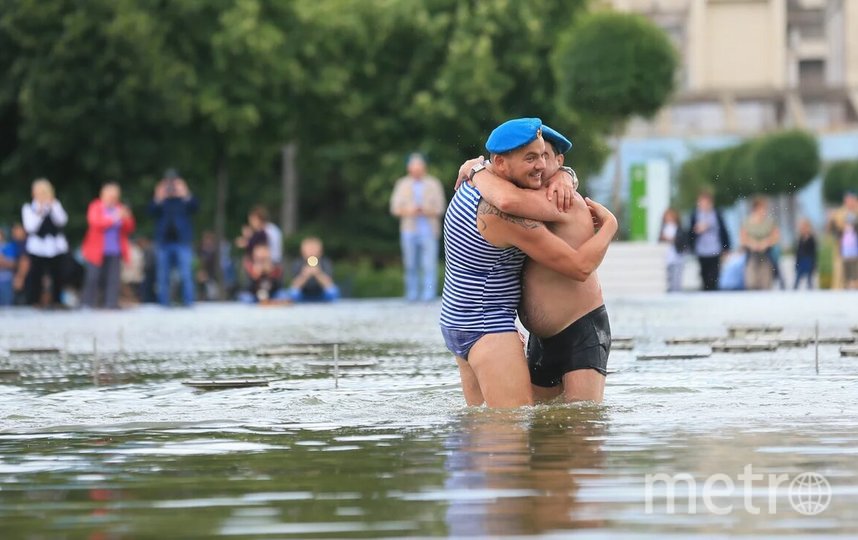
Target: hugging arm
[(543, 246), (528, 203)]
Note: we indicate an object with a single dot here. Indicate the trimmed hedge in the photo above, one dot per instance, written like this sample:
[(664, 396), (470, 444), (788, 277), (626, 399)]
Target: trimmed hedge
[(840, 177), (782, 162)]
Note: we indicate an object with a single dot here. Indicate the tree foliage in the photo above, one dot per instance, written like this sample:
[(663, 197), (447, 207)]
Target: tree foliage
[(614, 65), (840, 177), (782, 162), (122, 89)]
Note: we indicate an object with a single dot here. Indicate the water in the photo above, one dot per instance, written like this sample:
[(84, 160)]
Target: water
[(104, 441)]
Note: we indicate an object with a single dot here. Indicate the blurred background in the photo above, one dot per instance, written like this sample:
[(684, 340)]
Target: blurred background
[(311, 107)]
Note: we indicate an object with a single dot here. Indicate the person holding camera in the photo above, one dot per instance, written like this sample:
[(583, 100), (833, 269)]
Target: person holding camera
[(172, 206), (312, 275), (105, 246), (265, 278), (44, 219)]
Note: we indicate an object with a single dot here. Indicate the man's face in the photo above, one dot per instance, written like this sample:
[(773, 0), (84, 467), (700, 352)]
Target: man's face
[(261, 254), (416, 167), (553, 162), (110, 195), (850, 201), (704, 203), (311, 247), (524, 167)]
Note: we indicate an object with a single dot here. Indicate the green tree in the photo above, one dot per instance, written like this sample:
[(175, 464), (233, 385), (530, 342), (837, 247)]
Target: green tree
[(612, 66), (89, 91), (785, 162), (840, 177), (122, 89), (776, 164)]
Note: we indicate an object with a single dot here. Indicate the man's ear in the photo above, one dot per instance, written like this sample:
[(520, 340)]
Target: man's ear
[(499, 163), (561, 159)]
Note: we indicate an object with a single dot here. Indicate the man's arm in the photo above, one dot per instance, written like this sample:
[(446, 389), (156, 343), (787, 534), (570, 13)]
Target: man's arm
[(546, 248), (7, 264), (397, 200), (515, 201), (31, 219), (58, 214)]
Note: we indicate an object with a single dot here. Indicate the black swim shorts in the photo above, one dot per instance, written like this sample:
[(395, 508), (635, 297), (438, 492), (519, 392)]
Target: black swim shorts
[(584, 344)]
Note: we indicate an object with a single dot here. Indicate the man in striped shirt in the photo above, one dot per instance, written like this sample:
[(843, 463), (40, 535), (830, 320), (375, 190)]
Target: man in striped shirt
[(485, 250)]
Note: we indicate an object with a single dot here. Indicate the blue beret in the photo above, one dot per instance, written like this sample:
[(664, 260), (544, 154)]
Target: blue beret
[(513, 134), (556, 138)]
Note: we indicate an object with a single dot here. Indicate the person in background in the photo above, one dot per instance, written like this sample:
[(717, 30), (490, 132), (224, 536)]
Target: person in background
[(676, 239), (312, 274), (105, 246), (849, 251), (759, 234), (150, 271), (732, 274), (173, 206), (842, 226), (418, 201), (775, 259), (44, 219), (805, 254), (19, 239), (272, 232), (9, 256), (133, 273), (708, 238), (253, 234), (265, 277), (207, 271)]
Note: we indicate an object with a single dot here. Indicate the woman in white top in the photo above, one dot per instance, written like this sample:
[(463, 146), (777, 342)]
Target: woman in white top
[(44, 219)]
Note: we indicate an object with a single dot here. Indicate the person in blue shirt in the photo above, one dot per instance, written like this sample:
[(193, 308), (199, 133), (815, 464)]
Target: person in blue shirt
[(418, 201), (9, 255), (173, 206)]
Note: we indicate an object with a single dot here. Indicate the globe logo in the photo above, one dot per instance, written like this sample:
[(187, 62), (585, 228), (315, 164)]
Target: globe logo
[(809, 493)]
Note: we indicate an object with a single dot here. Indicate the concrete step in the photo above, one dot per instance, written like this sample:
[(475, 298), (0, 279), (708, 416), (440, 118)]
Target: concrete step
[(634, 268)]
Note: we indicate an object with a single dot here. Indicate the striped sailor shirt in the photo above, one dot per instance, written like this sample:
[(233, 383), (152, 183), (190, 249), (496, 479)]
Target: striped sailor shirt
[(482, 283)]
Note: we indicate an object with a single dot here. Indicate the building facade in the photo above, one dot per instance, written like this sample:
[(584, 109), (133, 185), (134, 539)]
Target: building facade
[(750, 66)]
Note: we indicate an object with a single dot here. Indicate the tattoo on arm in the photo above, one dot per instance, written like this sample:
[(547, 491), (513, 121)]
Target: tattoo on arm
[(485, 208)]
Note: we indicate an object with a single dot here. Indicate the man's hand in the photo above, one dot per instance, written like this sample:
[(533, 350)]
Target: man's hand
[(601, 215), (182, 190), (160, 191), (465, 170), (561, 187)]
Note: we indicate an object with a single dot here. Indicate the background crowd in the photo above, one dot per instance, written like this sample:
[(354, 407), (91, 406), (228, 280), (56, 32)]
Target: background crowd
[(113, 267), (753, 261)]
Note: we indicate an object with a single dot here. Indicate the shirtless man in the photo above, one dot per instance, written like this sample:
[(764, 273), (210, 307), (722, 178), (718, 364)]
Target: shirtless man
[(570, 335), (485, 250)]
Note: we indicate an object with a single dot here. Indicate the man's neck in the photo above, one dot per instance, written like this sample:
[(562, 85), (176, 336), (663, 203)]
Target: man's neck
[(492, 169)]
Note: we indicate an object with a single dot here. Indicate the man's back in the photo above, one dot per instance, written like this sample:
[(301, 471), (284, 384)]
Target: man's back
[(550, 300)]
